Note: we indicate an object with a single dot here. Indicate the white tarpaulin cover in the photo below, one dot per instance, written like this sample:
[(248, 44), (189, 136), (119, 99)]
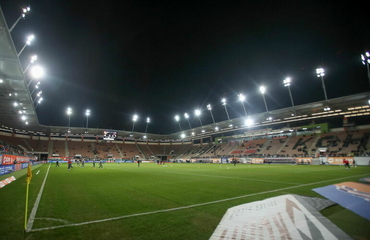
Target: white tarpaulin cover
[(282, 217)]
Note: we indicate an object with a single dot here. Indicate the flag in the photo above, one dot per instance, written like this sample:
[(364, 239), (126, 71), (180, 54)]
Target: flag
[(29, 173)]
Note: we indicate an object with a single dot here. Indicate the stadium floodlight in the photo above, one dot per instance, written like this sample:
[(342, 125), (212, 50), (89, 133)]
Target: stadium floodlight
[(134, 119), (37, 72), (320, 72), (366, 61), (209, 108), (183, 135), (286, 83), (22, 16), (146, 127), (38, 95), (241, 99), (87, 114), (187, 118), (197, 113), (263, 91), (30, 38), (23, 117), (33, 59), (38, 102), (249, 122), (69, 113), (223, 101), (36, 87), (177, 118)]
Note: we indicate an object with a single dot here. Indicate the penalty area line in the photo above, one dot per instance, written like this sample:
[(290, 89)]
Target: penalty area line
[(189, 206)]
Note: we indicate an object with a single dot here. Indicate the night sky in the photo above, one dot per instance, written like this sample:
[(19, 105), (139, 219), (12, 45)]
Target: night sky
[(162, 58)]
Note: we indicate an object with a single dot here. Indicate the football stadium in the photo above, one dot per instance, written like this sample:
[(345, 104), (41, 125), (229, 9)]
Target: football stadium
[(298, 172)]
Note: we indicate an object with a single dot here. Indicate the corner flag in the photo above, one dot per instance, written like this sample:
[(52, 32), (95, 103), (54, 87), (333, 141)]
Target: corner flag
[(29, 173)]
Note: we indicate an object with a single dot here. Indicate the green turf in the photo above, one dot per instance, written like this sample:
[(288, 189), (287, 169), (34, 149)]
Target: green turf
[(83, 195)]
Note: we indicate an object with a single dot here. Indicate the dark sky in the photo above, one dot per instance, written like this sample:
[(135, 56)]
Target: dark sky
[(162, 58)]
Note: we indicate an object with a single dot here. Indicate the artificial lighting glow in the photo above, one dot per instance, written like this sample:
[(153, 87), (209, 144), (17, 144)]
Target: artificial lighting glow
[(216, 128), (69, 111), (192, 133), (241, 97), (87, 113), (15, 104), (183, 135), (135, 117), (249, 122), (177, 118), (223, 101), (30, 39), (186, 115), (148, 120), (1, 80), (230, 125), (144, 136), (320, 72), (262, 89), (33, 58), (287, 82), (209, 107), (197, 112), (37, 72), (23, 118), (203, 131)]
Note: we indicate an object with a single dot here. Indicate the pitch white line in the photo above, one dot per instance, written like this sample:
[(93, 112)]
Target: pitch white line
[(249, 179), (189, 206), (36, 206)]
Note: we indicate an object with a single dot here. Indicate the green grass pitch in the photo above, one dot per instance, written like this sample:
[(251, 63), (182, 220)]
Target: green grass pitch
[(174, 201)]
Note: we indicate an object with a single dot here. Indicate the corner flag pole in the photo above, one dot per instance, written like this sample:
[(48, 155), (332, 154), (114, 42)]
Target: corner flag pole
[(28, 180)]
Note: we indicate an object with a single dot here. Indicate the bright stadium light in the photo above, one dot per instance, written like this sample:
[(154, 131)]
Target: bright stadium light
[(87, 114), (22, 16), (209, 108), (30, 38), (223, 101), (134, 119), (187, 118), (320, 72), (249, 122), (69, 113), (183, 135), (263, 91), (241, 99), (286, 83), (197, 113), (146, 127), (33, 59), (366, 61), (37, 72), (177, 118)]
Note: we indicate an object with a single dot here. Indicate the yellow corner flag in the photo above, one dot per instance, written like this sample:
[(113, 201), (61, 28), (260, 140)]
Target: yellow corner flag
[(29, 173), (28, 180)]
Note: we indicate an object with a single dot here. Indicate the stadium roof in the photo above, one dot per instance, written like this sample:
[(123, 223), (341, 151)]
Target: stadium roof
[(13, 86)]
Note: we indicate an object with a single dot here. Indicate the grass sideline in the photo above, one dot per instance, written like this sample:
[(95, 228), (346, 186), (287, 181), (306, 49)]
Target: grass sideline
[(178, 201)]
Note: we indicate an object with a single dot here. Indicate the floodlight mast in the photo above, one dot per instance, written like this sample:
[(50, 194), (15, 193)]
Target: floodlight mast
[(69, 113), (209, 108), (366, 61), (22, 16), (197, 113), (28, 42), (241, 99), (87, 114), (287, 84), (223, 101), (262, 91), (134, 119), (146, 127), (36, 73), (187, 118), (177, 118), (320, 72), (33, 59)]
